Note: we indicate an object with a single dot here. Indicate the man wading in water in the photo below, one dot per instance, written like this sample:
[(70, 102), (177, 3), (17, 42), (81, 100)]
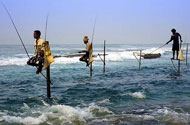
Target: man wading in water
[(175, 38), (88, 48), (38, 58)]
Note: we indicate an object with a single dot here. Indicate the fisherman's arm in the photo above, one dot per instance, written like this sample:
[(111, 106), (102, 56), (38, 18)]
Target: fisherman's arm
[(180, 38), (169, 40)]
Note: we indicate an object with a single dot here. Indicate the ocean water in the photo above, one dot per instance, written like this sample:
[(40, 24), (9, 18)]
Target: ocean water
[(123, 95)]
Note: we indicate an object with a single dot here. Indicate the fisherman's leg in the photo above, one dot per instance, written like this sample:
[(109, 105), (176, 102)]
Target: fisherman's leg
[(173, 54), (32, 61), (177, 51), (177, 54), (39, 68), (87, 64), (40, 65), (87, 59), (82, 59)]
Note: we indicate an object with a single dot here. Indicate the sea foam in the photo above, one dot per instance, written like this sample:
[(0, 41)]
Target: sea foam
[(56, 114)]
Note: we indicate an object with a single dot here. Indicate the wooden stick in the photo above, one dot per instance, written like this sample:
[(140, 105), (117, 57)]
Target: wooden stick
[(100, 58), (104, 68), (48, 82), (140, 60), (135, 56)]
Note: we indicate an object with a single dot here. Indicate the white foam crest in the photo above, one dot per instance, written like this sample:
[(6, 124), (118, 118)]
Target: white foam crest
[(112, 56), (59, 113), (65, 60), (128, 54), (165, 115), (139, 95), (119, 56), (105, 101), (13, 61), (25, 106), (96, 108), (26, 120), (44, 103), (172, 116)]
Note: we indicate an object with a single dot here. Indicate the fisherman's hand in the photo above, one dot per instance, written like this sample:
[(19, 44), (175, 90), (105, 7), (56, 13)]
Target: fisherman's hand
[(181, 40)]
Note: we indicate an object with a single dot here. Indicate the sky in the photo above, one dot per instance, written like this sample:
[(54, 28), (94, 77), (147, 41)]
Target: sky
[(118, 21)]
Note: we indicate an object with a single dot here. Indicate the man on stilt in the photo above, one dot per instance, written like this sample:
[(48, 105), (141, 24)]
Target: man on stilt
[(176, 45), (86, 57), (38, 58)]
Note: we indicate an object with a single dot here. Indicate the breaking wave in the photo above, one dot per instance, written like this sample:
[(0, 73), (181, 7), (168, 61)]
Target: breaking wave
[(20, 59), (56, 114), (63, 114), (13, 61)]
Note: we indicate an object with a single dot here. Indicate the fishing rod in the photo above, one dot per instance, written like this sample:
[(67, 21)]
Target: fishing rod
[(15, 28), (93, 30), (158, 48), (19, 34), (92, 46), (46, 26)]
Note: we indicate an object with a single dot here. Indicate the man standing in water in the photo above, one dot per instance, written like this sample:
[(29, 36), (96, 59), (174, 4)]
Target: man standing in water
[(38, 58), (87, 51), (175, 38)]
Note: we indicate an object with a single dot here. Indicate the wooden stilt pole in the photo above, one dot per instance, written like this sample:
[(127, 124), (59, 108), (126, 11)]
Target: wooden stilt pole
[(91, 70), (104, 68), (187, 53), (48, 82), (140, 60), (179, 62)]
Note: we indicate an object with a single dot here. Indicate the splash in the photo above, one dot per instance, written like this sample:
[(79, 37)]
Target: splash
[(56, 114), (138, 95)]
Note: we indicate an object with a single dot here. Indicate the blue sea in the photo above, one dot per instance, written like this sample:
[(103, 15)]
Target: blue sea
[(124, 95)]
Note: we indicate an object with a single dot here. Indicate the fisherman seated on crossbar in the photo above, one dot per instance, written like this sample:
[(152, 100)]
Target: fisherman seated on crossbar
[(38, 58), (175, 38), (85, 57)]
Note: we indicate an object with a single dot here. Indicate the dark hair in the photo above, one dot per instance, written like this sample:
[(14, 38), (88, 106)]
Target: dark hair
[(38, 32), (173, 30)]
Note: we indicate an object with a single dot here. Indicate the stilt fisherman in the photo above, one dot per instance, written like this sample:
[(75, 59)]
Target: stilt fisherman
[(87, 52), (176, 45), (38, 58)]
